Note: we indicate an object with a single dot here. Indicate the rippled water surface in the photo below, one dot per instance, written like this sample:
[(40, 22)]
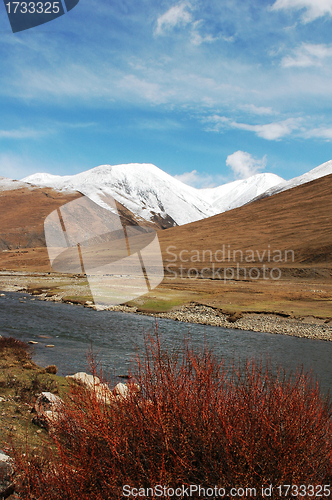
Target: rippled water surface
[(114, 335)]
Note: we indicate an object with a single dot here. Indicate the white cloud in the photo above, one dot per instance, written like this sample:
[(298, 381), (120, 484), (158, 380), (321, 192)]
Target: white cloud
[(275, 130), (197, 39), (307, 55), (198, 180), (244, 164), (150, 91), (175, 16), (22, 133), (257, 110), (314, 8), (270, 131), (320, 133)]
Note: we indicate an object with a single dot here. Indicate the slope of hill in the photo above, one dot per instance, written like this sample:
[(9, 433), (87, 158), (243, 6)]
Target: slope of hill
[(152, 194), (298, 220), (316, 173), (23, 210), (290, 231)]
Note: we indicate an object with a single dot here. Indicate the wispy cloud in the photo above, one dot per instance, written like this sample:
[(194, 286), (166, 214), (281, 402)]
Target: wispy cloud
[(196, 37), (22, 133), (320, 133), (178, 15), (257, 110), (270, 131), (314, 8), (151, 91), (244, 165), (307, 55)]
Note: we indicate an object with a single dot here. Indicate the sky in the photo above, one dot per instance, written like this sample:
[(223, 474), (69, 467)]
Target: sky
[(208, 90)]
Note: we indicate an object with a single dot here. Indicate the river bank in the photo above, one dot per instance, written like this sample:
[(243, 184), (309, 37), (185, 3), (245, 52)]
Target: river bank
[(74, 290)]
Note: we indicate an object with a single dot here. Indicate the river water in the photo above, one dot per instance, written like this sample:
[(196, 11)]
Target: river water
[(114, 337)]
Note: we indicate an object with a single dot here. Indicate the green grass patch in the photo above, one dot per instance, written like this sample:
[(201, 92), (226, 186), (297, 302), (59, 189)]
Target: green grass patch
[(160, 305), (78, 299)]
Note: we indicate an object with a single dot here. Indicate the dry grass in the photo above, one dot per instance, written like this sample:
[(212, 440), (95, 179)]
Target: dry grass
[(20, 380)]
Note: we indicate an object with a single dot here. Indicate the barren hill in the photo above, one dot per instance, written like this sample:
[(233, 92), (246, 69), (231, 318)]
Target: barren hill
[(298, 221), (23, 210), (291, 228)]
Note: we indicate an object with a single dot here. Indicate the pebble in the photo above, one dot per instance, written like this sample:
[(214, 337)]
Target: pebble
[(268, 323)]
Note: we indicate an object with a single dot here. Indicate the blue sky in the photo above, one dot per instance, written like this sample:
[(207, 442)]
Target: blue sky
[(207, 90)]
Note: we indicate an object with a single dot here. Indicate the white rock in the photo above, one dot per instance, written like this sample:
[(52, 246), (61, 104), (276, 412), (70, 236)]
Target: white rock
[(48, 409), (6, 470), (121, 390), (104, 393), (5, 459), (84, 378)]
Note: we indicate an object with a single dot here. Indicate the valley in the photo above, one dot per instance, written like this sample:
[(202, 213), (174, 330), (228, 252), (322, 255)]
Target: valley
[(272, 256)]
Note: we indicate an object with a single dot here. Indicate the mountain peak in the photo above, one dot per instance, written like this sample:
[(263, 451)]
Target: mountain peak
[(149, 192)]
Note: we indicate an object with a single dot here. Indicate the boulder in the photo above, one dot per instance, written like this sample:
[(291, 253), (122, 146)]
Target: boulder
[(102, 391), (7, 486), (121, 390), (48, 410), (84, 378)]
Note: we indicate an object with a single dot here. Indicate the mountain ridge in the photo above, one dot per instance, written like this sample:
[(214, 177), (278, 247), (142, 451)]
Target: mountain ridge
[(149, 192), (316, 173)]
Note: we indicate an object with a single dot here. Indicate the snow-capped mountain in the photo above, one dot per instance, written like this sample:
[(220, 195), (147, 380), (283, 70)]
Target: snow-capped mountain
[(10, 184), (238, 193), (147, 191), (315, 173)]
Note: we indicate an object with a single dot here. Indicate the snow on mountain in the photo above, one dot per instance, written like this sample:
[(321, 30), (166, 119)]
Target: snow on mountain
[(147, 191), (315, 173), (238, 193), (142, 188), (10, 184)]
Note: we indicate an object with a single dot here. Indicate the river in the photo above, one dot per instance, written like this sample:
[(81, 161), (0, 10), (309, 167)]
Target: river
[(114, 337)]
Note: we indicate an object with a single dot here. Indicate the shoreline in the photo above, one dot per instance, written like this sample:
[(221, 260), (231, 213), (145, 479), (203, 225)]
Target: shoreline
[(195, 313)]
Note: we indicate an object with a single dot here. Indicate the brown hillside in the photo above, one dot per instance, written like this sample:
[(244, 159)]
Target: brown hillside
[(22, 214), (299, 219)]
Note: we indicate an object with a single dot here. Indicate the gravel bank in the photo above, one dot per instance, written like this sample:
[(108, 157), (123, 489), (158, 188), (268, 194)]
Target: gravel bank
[(269, 323), (306, 327)]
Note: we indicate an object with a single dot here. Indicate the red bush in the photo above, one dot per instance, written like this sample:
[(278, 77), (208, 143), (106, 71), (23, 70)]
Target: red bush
[(195, 422)]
